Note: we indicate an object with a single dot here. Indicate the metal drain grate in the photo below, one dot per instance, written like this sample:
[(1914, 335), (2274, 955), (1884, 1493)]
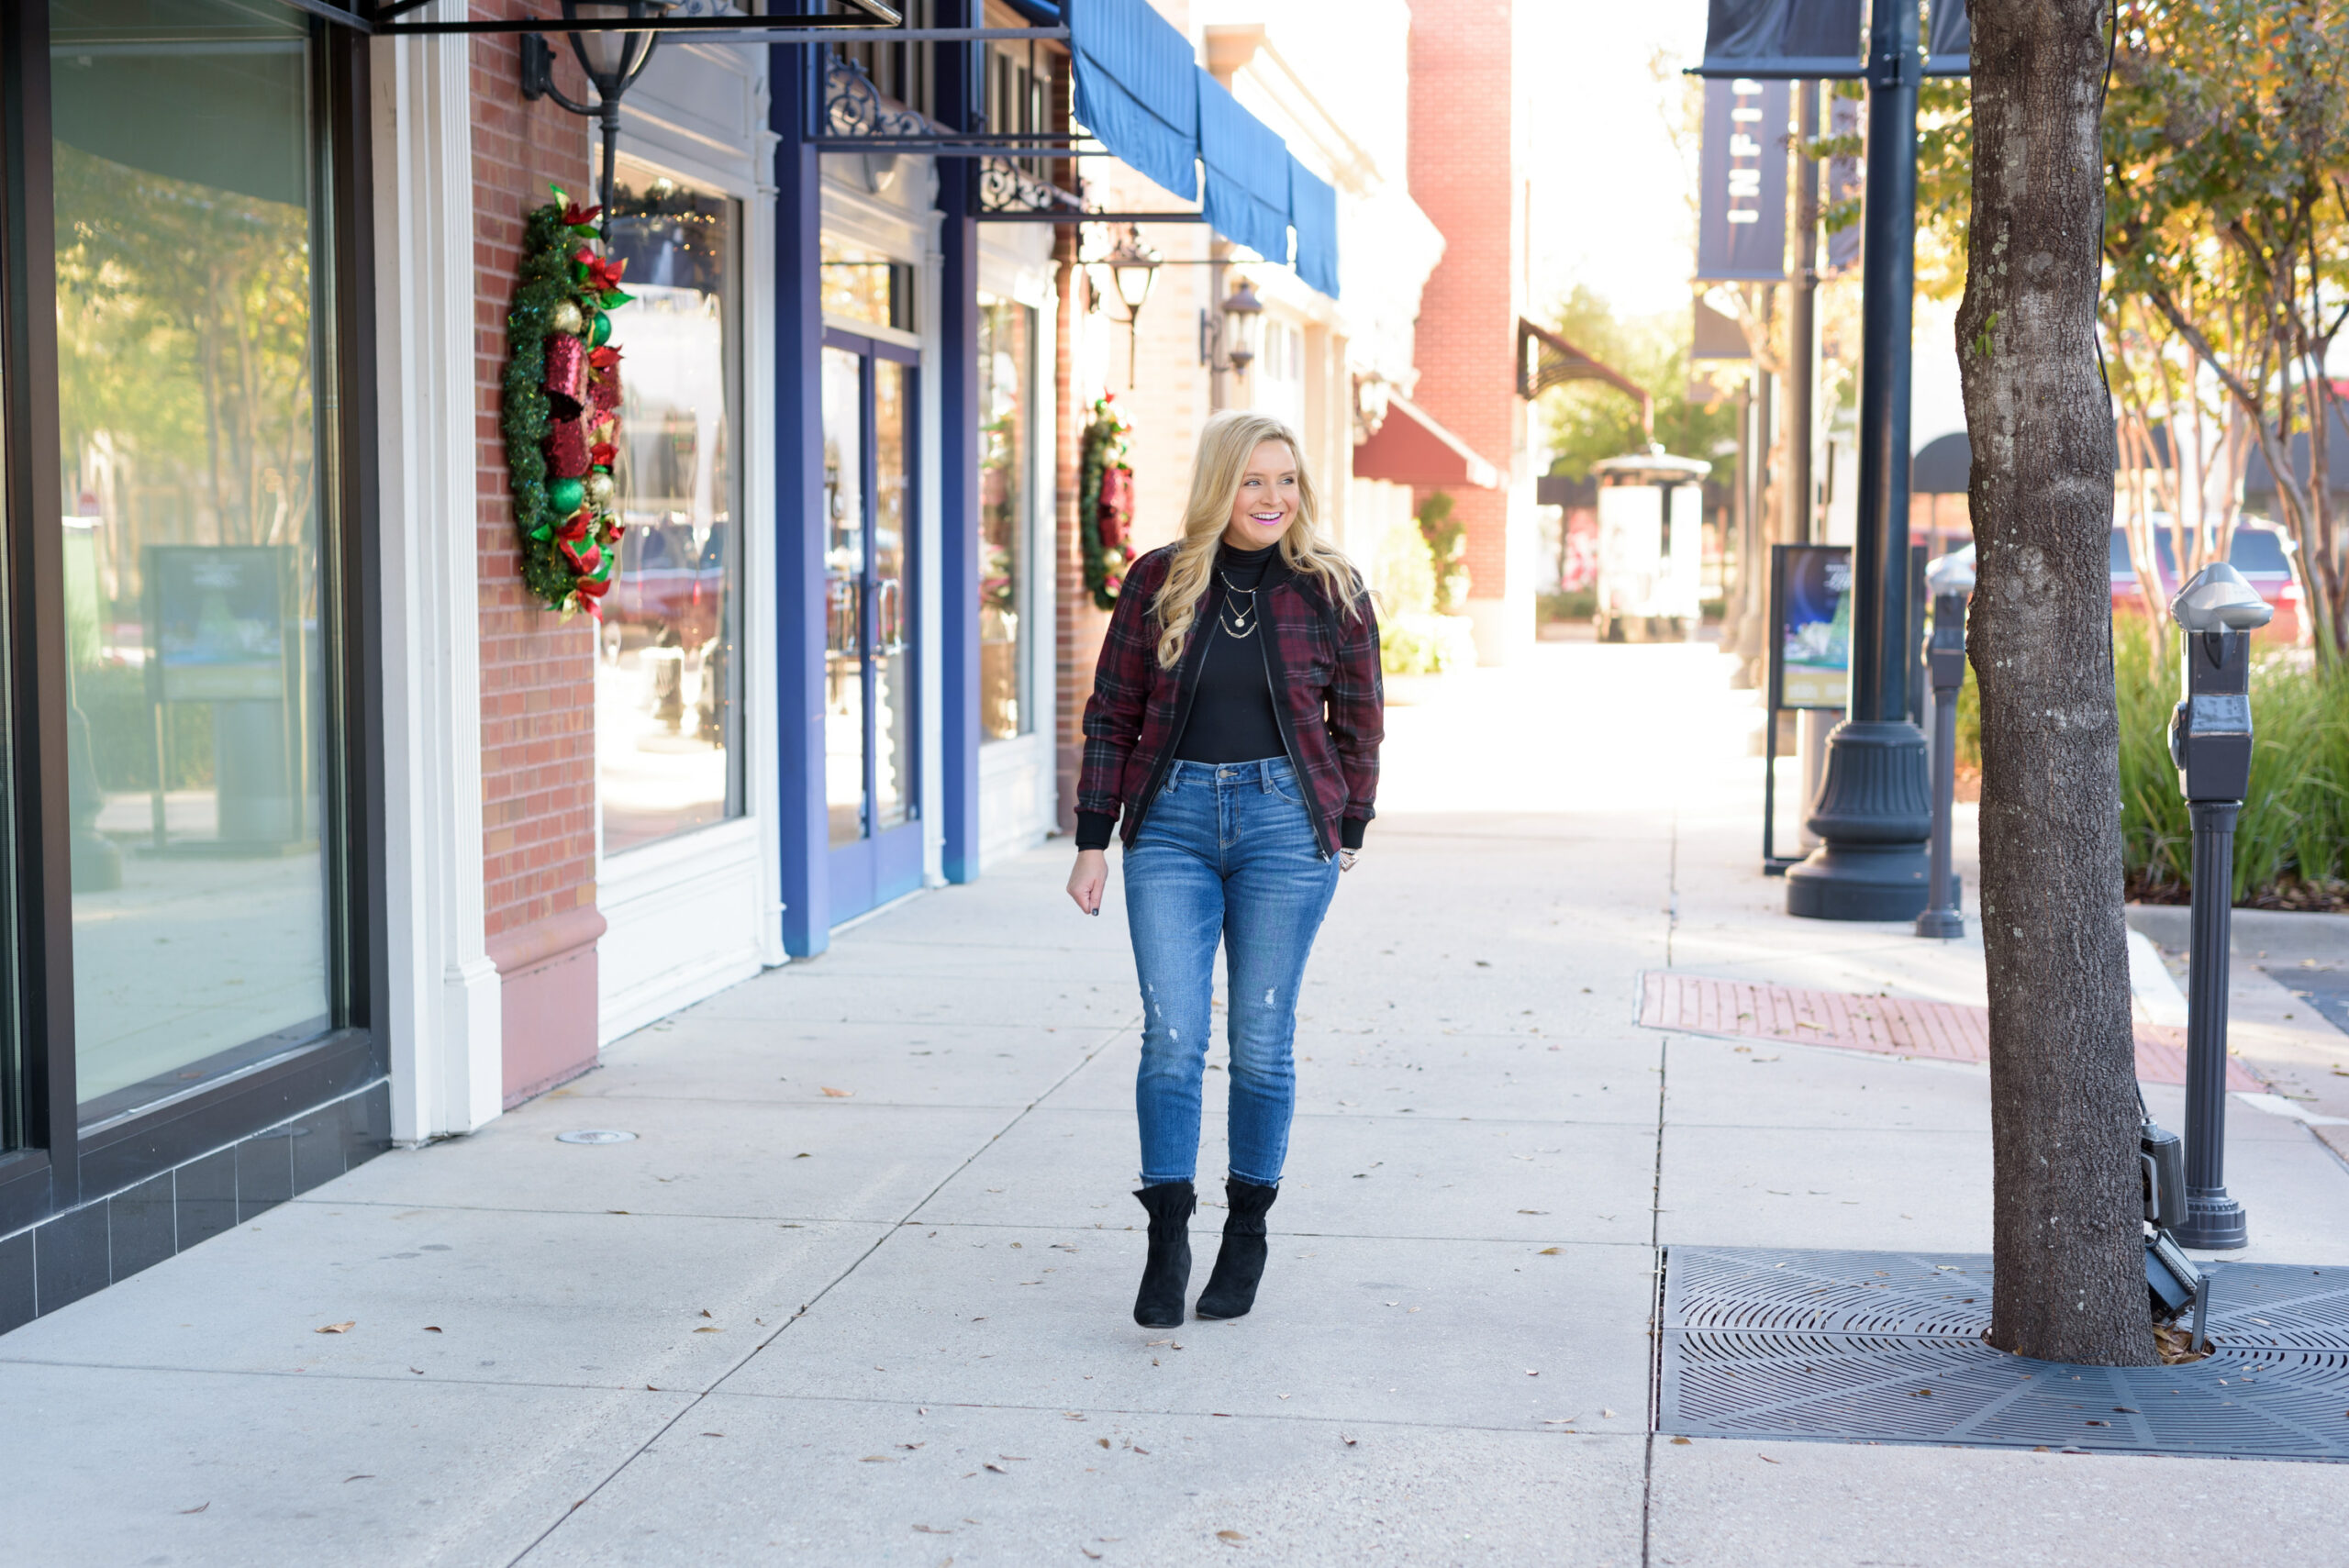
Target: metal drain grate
[(1887, 1346)]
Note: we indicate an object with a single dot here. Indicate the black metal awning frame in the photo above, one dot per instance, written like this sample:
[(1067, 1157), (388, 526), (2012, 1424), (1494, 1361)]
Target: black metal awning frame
[(379, 18), (846, 113)]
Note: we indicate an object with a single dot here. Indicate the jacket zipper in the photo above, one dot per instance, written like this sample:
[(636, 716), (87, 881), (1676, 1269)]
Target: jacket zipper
[(1186, 689), (1288, 738)]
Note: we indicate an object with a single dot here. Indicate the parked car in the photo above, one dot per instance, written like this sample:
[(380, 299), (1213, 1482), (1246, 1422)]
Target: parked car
[(2261, 551)]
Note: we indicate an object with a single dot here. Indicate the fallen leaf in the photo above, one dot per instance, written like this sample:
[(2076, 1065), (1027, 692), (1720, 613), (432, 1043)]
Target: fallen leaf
[(910, 1446), (1766, 1459), (431, 1328), (1345, 1439), (876, 1459), (1144, 1450), (198, 1509), (1090, 1552), (1607, 1413), (1228, 1535), (1532, 1211), (705, 1328), (1103, 1441), (707, 1312), (337, 1327), (927, 1530), (348, 1479), (839, 1094), (1925, 1393), (1549, 1252), (1680, 1442), (418, 1370), (713, 1434), (803, 1156)]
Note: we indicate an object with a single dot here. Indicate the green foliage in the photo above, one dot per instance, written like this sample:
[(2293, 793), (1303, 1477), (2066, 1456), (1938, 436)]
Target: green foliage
[(1447, 553), (1589, 420), (113, 697), (1420, 644), (1580, 603), (1103, 447), (2292, 842)]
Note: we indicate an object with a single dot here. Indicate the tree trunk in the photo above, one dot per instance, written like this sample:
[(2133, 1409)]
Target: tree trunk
[(2068, 1249)]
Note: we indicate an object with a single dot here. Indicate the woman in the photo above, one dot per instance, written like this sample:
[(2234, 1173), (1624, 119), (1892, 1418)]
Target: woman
[(1235, 723)]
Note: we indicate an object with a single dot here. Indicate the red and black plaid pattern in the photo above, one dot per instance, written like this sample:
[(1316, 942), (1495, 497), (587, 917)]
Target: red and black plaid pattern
[(1333, 702)]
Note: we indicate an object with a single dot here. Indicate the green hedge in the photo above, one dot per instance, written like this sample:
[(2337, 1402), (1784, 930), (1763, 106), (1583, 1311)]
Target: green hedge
[(2292, 843)]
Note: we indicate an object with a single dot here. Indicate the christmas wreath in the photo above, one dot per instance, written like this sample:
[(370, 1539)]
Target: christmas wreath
[(560, 412), (1105, 504)]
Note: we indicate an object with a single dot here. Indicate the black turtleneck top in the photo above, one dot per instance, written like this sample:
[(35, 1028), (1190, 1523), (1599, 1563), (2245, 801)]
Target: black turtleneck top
[(1232, 711)]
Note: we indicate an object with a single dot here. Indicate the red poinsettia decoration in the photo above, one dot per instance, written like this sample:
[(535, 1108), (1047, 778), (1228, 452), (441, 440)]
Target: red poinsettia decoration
[(602, 276), (577, 217)]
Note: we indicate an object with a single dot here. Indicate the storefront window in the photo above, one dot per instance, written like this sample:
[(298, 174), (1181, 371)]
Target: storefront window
[(1006, 334), (866, 285), (191, 312), (668, 687)]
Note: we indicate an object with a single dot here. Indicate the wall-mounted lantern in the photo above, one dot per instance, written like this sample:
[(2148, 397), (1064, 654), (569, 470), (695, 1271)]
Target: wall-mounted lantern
[(1133, 272), (612, 57), (1236, 329)]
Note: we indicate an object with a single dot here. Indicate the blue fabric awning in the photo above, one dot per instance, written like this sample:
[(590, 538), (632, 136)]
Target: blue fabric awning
[(1134, 89), (1247, 164), (1313, 212)]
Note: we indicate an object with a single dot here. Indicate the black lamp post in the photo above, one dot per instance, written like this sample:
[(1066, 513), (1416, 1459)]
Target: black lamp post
[(2209, 739), (1874, 813), (1133, 270), (613, 59)]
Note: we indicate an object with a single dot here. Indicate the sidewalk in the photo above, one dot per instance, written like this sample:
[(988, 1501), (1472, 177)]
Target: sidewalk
[(858, 1290)]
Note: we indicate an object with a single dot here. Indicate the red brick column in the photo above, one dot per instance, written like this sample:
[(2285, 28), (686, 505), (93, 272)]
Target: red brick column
[(538, 671), (1463, 175)]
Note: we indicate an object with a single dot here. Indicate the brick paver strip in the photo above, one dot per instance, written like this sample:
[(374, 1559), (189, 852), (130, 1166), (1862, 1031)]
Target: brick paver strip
[(1890, 1026)]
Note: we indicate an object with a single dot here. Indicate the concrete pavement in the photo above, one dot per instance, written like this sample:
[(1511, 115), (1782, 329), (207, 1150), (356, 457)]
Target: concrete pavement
[(858, 1290)]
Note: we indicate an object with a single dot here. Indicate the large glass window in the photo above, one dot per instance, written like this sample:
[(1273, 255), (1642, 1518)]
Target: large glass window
[(1007, 333), (191, 309), (668, 688)]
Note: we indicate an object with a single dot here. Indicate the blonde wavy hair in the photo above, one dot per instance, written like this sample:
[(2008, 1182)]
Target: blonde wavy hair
[(1227, 444)]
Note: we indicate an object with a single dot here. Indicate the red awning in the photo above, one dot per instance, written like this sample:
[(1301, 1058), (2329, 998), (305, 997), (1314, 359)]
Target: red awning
[(1413, 449)]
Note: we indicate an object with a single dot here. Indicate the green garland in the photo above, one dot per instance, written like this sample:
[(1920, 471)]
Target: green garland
[(1103, 448), (568, 557)]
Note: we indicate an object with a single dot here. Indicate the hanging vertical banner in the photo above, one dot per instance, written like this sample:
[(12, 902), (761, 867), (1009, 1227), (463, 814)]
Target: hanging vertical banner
[(1741, 213), (1845, 178)]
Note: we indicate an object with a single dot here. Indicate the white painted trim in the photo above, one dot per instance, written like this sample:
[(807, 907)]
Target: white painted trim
[(726, 879), (445, 1028)]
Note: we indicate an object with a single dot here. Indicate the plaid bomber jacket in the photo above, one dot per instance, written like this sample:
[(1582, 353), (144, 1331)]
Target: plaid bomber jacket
[(1323, 667)]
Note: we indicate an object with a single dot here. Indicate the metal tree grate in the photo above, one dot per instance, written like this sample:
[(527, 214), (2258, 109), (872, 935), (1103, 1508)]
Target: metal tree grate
[(1887, 1346)]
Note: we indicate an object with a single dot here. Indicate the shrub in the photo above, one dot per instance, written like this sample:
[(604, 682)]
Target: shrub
[(2292, 842)]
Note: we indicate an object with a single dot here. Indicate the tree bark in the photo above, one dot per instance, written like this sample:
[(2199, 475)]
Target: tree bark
[(2068, 1212)]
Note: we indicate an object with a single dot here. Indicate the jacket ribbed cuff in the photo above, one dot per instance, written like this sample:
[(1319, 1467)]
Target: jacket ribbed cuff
[(1094, 829)]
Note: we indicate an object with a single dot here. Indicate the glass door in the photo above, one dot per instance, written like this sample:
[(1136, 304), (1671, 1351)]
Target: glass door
[(871, 668)]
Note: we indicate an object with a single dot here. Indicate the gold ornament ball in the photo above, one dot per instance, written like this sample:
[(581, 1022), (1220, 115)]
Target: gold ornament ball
[(601, 492), (567, 317)]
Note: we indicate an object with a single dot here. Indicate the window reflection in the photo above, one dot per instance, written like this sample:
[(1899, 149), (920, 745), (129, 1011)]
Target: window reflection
[(865, 286), (844, 392), (1006, 333), (668, 686), (189, 286)]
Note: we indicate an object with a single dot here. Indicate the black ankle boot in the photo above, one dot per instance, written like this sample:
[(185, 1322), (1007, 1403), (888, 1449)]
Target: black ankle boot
[(1167, 1276), (1239, 1264)]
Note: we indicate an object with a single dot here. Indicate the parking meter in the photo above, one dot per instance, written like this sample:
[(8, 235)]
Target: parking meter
[(1950, 579), (2209, 741)]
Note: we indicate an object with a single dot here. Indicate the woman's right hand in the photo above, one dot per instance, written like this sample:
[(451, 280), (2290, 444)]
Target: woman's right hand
[(1090, 877)]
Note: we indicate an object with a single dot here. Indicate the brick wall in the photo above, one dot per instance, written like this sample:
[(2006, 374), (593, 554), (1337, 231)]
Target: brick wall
[(1463, 175), (537, 671)]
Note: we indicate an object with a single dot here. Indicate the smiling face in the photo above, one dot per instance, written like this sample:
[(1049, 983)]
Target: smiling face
[(1268, 497)]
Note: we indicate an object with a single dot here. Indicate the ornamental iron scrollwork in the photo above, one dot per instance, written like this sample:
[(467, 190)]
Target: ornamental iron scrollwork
[(853, 106), (1004, 187)]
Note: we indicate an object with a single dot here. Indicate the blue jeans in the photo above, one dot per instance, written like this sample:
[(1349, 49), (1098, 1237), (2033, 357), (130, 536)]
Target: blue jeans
[(1226, 854)]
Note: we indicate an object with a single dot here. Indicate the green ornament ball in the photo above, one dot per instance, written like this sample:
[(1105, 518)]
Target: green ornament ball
[(566, 495), (601, 332)]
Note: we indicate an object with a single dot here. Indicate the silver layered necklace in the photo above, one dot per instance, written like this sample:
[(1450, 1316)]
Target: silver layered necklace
[(1238, 620)]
